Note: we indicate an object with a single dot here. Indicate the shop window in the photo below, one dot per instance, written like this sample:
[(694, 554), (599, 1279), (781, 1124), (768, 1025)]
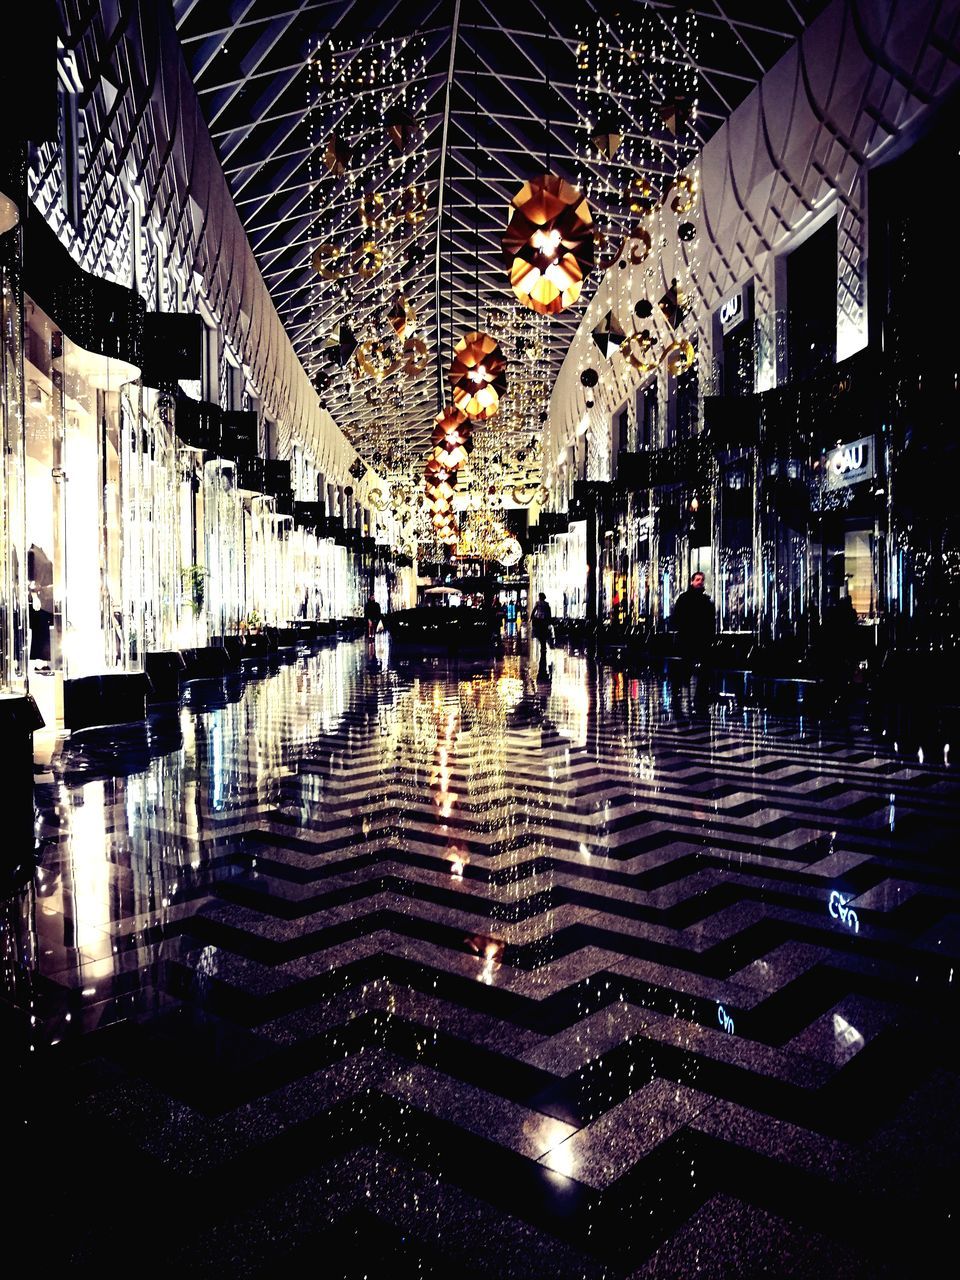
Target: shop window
[(648, 408), (737, 344), (687, 403), (13, 581), (83, 513), (812, 303), (623, 429)]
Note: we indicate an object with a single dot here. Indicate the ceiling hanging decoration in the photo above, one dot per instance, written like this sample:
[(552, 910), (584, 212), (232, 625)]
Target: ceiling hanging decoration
[(375, 214), (642, 66), (403, 128), (378, 359), (337, 156), (402, 316), (341, 345), (368, 260), (509, 552), (416, 357), (607, 336), (548, 245), (366, 101), (330, 261), (477, 375)]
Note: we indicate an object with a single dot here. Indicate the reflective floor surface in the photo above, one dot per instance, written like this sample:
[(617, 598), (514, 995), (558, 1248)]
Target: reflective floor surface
[(370, 968)]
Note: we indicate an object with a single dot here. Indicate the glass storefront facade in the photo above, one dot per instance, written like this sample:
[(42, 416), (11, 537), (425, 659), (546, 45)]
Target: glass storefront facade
[(84, 480), (13, 559)]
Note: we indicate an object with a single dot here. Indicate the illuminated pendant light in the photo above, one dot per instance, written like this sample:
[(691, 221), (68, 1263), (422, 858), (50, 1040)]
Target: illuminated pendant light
[(548, 244), (478, 375), (452, 428), (451, 458)]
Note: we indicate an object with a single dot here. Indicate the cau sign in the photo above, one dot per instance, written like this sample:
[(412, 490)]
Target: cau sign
[(850, 463)]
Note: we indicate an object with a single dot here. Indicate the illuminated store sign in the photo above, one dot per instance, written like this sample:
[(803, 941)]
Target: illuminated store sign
[(850, 463), (733, 312)]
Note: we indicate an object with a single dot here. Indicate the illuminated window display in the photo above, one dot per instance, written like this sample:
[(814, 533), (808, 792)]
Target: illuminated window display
[(159, 564), (191, 629), (260, 569), (13, 582), (736, 580), (848, 534), (223, 539), (83, 482), (639, 528), (560, 571), (784, 514)]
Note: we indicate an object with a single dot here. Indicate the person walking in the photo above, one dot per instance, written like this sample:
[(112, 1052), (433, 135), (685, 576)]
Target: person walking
[(694, 622), (540, 620), (373, 614)]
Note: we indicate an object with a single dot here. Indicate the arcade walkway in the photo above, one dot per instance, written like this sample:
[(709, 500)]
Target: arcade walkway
[(439, 971)]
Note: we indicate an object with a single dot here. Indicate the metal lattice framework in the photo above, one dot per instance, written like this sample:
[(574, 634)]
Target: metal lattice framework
[(494, 75)]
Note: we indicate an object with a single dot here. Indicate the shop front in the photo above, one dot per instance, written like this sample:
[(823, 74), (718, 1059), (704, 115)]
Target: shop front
[(85, 473), (19, 717)]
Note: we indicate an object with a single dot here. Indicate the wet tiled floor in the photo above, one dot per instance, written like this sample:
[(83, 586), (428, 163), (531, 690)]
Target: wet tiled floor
[(367, 968)]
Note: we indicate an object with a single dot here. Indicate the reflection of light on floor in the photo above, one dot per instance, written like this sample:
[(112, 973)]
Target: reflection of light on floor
[(489, 950), (457, 861), (563, 1159), (848, 1038), (89, 866)]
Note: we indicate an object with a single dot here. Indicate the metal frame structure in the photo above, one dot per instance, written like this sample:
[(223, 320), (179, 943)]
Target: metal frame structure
[(249, 60)]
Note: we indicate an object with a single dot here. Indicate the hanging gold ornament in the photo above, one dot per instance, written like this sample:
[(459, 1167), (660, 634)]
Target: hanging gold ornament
[(638, 350), (643, 201), (417, 357), (638, 245), (367, 260), (548, 244), (377, 500), (607, 249), (413, 204), (374, 214), (686, 197), (523, 497), (477, 375), (402, 316), (330, 261), (678, 357), (378, 359)]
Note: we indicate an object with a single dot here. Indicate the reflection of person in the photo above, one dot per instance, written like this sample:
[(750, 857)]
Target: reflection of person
[(694, 621), (540, 626), (373, 613), (499, 612), (40, 613)]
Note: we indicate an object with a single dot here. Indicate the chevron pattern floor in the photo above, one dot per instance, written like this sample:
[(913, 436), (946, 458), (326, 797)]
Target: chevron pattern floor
[(381, 969)]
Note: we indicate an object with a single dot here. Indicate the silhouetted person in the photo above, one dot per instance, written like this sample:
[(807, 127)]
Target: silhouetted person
[(373, 613), (540, 621), (839, 645), (694, 622)]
